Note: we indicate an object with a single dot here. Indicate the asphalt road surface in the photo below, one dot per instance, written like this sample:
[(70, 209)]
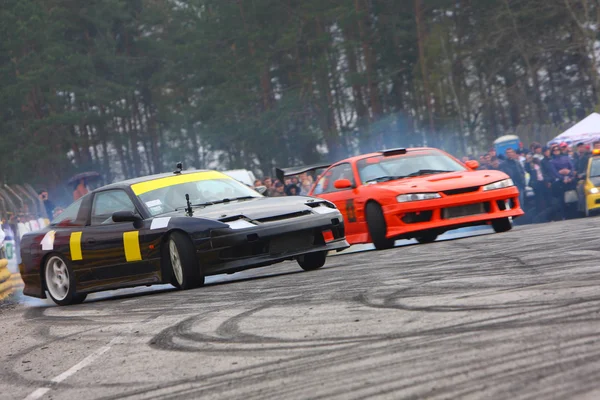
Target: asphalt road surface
[(512, 315)]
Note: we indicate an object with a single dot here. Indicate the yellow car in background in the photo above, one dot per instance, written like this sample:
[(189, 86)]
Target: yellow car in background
[(592, 184)]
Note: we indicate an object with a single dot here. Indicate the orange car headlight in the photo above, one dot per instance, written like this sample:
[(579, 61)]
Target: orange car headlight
[(594, 190), (403, 198), (499, 185)]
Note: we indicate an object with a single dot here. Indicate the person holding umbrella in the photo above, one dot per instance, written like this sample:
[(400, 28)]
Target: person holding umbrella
[(80, 190), (80, 182)]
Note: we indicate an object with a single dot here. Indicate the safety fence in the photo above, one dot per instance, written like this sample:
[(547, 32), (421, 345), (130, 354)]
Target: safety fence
[(21, 211)]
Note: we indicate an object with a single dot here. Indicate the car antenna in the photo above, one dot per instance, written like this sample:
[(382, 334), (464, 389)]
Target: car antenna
[(188, 209), (178, 167)]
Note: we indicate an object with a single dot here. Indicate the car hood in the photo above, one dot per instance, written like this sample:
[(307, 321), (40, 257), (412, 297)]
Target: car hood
[(258, 209), (444, 181), (595, 180)]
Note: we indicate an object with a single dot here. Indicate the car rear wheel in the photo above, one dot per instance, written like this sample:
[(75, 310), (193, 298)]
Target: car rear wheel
[(312, 261), (183, 261), (501, 225), (377, 227), (427, 237), (60, 282)]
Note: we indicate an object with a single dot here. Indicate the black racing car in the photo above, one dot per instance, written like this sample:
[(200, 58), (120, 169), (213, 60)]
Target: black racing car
[(173, 228)]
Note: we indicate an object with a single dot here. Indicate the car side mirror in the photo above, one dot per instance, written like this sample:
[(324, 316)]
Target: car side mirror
[(342, 184), (126, 216), (472, 164), (261, 189)]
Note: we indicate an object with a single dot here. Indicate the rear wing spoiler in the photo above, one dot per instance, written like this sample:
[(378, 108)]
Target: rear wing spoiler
[(281, 173)]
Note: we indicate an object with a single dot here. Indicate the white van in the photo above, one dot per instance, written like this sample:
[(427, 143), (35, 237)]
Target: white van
[(242, 175)]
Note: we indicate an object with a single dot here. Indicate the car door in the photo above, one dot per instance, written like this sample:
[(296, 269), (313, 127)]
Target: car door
[(344, 199), (114, 250), (64, 237)]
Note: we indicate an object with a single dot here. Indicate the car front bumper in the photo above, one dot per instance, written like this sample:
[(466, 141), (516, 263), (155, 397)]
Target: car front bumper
[(593, 201), (228, 250), (408, 220)]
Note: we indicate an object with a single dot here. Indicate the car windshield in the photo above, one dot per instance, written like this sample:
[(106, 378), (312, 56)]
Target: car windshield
[(595, 168), (380, 168), (204, 189)]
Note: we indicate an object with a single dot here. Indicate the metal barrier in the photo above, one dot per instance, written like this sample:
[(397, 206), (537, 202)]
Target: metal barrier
[(21, 211)]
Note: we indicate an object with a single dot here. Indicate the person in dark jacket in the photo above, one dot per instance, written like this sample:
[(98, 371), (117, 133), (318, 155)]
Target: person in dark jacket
[(564, 179), (581, 160), (548, 172), (547, 166), (48, 204), (513, 168), (538, 182)]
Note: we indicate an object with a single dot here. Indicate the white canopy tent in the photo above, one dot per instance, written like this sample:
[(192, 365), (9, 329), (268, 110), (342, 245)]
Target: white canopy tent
[(587, 131)]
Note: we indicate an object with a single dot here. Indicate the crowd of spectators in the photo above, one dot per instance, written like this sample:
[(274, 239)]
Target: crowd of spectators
[(549, 178), (293, 186)]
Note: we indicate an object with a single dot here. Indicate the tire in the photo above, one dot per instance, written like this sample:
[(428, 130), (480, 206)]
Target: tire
[(182, 260), (427, 237), (377, 227), (312, 261), (501, 225), (60, 282)]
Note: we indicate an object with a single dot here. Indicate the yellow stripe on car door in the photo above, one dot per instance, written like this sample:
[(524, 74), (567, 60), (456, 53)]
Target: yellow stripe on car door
[(131, 242), (75, 246)]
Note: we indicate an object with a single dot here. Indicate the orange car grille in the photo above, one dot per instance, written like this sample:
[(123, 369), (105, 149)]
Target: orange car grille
[(461, 191), (466, 210)]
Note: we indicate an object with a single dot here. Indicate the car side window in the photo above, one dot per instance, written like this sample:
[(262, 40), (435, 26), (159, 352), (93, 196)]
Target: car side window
[(69, 216), (342, 171), (109, 202)]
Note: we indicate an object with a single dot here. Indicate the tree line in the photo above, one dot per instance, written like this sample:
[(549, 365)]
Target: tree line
[(129, 87)]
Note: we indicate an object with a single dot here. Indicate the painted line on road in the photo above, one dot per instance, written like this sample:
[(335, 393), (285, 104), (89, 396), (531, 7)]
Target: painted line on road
[(38, 393)]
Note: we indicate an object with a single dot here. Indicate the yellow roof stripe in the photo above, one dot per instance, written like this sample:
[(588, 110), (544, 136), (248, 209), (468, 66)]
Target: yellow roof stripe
[(148, 186)]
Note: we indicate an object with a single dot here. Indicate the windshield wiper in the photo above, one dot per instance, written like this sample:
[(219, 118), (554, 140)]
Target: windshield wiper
[(426, 172), (417, 173), (226, 200), (385, 178)]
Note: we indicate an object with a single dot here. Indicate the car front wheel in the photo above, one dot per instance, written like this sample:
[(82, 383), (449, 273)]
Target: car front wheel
[(60, 282), (312, 261), (183, 261), (377, 227), (501, 225)]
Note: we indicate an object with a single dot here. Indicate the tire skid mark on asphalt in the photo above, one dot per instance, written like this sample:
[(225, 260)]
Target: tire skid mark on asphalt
[(224, 379), (457, 339), (17, 377), (515, 356), (300, 362), (38, 393), (183, 331), (39, 314), (196, 392)]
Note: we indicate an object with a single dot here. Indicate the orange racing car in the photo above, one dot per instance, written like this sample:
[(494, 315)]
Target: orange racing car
[(413, 193)]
